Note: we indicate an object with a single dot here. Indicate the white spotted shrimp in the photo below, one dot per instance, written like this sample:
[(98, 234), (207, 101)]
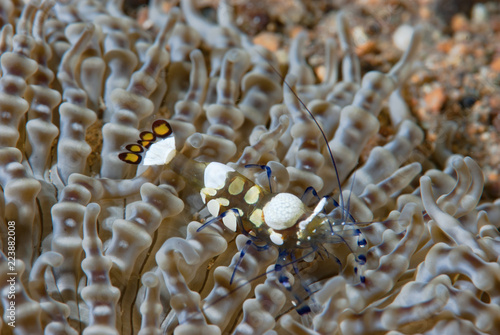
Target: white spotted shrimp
[(269, 220), (280, 220)]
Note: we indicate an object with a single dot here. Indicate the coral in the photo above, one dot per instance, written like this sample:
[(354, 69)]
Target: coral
[(92, 245)]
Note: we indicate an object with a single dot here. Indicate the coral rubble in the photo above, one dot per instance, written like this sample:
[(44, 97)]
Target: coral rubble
[(92, 245)]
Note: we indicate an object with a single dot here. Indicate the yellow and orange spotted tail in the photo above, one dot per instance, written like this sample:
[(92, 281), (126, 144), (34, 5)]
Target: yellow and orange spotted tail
[(130, 157), (147, 138), (160, 129)]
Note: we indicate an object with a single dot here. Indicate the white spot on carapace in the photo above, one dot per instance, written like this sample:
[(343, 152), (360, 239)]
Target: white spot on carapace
[(216, 175), (283, 211), (230, 220), (276, 238), (161, 152), (213, 207), (252, 195), (236, 187)]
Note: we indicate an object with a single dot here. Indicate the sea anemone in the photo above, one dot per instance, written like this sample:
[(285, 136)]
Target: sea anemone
[(93, 245)]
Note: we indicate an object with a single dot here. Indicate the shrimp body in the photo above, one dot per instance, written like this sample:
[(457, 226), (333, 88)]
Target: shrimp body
[(270, 219), (265, 217), (281, 219)]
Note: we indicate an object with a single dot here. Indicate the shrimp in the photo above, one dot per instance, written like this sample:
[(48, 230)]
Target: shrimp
[(281, 220), (269, 219)]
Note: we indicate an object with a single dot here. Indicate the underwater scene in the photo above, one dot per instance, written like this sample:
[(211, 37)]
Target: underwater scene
[(249, 167)]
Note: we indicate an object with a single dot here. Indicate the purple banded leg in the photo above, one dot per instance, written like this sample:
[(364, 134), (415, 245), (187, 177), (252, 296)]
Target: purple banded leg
[(243, 251), (242, 254), (302, 307)]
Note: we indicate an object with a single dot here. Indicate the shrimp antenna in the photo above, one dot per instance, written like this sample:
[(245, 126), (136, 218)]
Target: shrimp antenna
[(321, 131)]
